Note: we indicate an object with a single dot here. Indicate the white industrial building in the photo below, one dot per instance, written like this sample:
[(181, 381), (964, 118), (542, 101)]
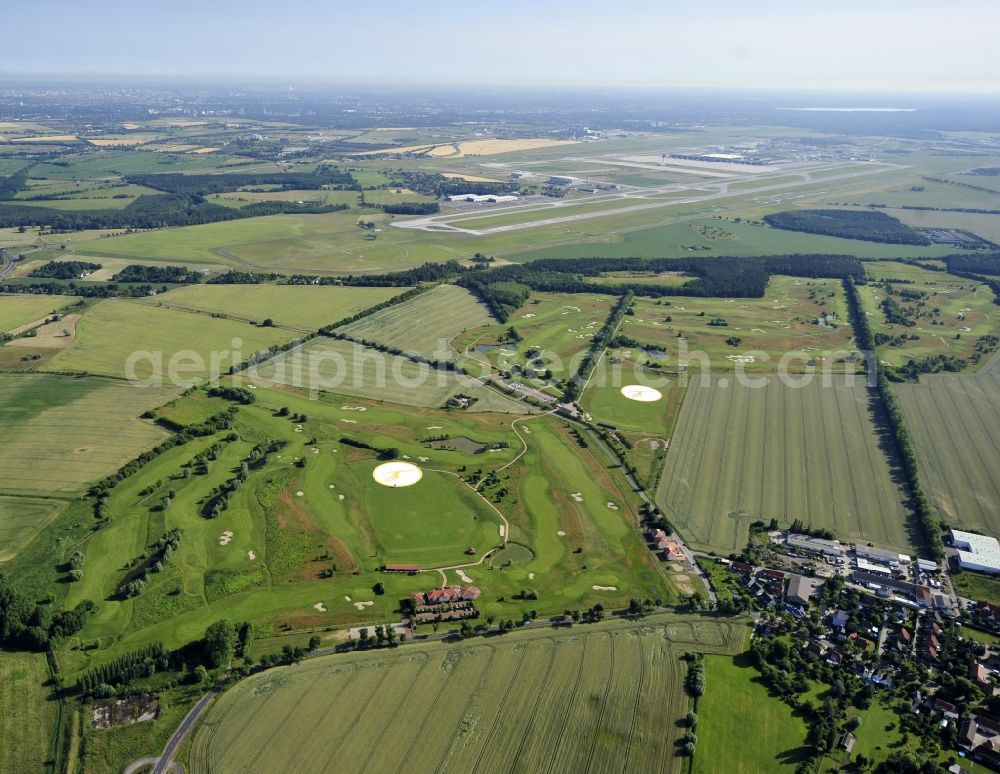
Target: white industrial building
[(831, 548), (479, 198), (892, 558), (977, 552)]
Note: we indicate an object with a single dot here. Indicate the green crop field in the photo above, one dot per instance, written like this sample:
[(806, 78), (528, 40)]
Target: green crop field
[(19, 310), (741, 728), (605, 697), (27, 712), (351, 369), (21, 519), (785, 321), (743, 453), (955, 422), (949, 319), (114, 330), (426, 324), (61, 433), (303, 307)]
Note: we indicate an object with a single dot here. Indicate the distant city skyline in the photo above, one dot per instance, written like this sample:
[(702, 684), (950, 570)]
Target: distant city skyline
[(891, 45)]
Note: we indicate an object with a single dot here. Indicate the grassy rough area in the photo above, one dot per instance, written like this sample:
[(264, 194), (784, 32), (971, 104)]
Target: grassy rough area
[(27, 713), (18, 310), (604, 695), (741, 728)]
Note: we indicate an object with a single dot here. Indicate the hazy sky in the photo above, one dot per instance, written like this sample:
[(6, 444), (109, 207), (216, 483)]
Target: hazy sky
[(923, 45)]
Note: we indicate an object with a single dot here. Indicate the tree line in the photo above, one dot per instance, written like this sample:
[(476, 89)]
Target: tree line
[(211, 183), (869, 225), (64, 270)]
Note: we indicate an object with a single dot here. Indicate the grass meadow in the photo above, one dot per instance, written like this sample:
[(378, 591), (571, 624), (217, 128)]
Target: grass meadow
[(21, 520), (741, 728), (112, 330), (605, 696), (61, 433), (740, 454), (304, 308), (955, 422), (27, 712), (21, 309)]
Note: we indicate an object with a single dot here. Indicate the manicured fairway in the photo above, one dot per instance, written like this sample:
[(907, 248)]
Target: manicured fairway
[(604, 697), (741, 454), (955, 422), (114, 330), (304, 307), (21, 518), (741, 729), (27, 713), (424, 325), (61, 433), (21, 309)]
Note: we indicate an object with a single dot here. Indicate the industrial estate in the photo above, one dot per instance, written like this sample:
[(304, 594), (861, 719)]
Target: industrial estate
[(434, 436)]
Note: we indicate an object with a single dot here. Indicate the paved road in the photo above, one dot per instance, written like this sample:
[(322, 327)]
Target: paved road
[(165, 762), (8, 263)]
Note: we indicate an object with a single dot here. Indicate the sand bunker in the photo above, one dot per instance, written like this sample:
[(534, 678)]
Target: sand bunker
[(531, 576), (561, 533), (340, 497), (251, 555), (347, 598), (397, 474), (225, 537), (641, 393), (604, 588), (320, 606), (363, 605), (300, 493), (503, 531), (578, 496), (349, 421), (742, 358), (464, 576), (612, 506)]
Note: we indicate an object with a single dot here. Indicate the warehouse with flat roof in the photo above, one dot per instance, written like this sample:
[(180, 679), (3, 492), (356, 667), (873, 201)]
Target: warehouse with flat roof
[(976, 552)]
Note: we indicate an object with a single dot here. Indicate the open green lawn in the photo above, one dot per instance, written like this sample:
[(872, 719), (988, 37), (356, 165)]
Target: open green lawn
[(131, 340), (977, 585), (21, 519), (742, 453), (303, 307), (61, 433), (949, 318), (741, 728), (21, 309), (27, 712), (424, 325)]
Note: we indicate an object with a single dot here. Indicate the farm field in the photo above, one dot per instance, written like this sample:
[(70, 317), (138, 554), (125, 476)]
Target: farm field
[(21, 519), (805, 319), (351, 369), (741, 728), (516, 702), (424, 325), (112, 330), (955, 423), (948, 319), (306, 308), (556, 326), (61, 433), (22, 309), (27, 713), (743, 453)]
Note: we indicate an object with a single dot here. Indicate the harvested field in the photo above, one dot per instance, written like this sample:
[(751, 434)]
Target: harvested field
[(23, 309), (21, 519), (54, 335), (740, 454), (61, 433), (955, 422), (426, 324), (605, 697)]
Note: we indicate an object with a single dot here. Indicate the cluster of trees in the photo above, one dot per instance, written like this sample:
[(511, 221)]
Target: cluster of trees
[(30, 625), (502, 298), (869, 225), (174, 274), (150, 211), (694, 680), (89, 290), (428, 272), (799, 527), (930, 525), (64, 270), (103, 681), (235, 394), (412, 208), (597, 345), (203, 185), (218, 500), (162, 552), (432, 184), (10, 185), (241, 278)]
